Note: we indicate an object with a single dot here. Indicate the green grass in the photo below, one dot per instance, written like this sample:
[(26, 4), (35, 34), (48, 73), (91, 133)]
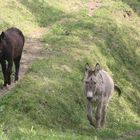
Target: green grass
[(48, 102)]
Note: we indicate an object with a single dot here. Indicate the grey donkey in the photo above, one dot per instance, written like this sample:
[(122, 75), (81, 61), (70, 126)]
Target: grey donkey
[(99, 87)]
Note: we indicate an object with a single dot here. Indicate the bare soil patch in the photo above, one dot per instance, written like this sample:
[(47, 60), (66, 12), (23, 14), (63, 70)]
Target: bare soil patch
[(92, 6)]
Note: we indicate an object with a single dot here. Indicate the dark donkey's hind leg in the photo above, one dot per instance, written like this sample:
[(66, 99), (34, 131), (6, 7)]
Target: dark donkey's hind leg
[(17, 65), (9, 71), (3, 65)]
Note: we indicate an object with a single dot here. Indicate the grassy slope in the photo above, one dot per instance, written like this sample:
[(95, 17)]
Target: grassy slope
[(48, 103)]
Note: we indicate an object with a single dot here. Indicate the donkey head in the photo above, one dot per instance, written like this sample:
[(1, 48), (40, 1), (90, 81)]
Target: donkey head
[(2, 36), (91, 81)]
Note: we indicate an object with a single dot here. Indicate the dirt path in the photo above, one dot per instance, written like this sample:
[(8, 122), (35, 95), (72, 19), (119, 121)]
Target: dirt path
[(92, 6), (32, 49)]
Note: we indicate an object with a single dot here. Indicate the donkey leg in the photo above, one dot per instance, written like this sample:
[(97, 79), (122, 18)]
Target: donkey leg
[(3, 65), (99, 114), (9, 71), (90, 113), (103, 115), (17, 65)]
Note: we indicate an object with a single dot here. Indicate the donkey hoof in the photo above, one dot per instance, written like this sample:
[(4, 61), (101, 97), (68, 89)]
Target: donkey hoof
[(7, 87), (98, 128)]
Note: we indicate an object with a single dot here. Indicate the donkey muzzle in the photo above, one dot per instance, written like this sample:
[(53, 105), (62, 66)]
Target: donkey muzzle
[(89, 98)]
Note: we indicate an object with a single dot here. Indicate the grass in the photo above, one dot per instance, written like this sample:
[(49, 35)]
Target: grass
[(48, 102)]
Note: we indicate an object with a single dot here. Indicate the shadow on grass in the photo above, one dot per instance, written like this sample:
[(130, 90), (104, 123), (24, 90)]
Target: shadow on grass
[(43, 13)]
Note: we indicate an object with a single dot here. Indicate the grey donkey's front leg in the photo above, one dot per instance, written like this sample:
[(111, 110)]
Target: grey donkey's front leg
[(90, 113), (99, 114), (103, 115)]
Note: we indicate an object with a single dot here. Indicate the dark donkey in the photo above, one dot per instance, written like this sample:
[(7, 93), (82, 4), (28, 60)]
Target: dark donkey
[(99, 87), (11, 46)]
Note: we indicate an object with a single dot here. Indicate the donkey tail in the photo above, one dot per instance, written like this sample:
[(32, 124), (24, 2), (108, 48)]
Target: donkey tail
[(117, 89)]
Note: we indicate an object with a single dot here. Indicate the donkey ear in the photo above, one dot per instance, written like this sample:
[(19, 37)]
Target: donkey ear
[(97, 68), (87, 67), (2, 36)]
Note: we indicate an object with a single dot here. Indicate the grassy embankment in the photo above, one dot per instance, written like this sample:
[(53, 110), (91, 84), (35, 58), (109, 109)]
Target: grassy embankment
[(48, 102)]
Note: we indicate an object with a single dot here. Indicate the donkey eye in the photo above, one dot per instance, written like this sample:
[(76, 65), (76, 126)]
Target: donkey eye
[(94, 82), (86, 82)]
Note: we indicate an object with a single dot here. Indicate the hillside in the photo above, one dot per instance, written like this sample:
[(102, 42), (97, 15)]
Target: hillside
[(48, 101)]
